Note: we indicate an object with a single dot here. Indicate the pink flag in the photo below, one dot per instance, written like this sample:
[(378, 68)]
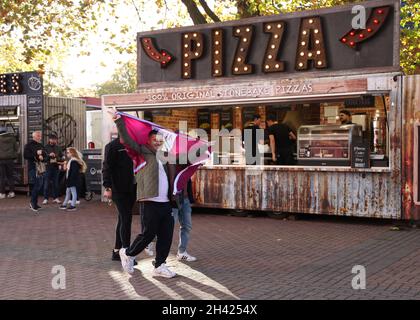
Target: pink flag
[(187, 151)]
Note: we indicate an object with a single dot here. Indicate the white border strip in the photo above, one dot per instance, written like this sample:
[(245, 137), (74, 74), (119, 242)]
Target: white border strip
[(248, 100)]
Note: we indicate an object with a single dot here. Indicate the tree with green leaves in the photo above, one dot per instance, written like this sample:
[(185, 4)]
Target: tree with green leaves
[(124, 80), (41, 24)]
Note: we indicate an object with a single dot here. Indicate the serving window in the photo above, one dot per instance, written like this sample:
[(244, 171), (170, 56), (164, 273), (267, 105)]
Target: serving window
[(321, 139)]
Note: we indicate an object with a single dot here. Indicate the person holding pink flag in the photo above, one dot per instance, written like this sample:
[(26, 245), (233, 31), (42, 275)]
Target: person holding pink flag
[(157, 183)]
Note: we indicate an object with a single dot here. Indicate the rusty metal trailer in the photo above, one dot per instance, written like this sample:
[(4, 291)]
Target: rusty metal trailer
[(212, 66)]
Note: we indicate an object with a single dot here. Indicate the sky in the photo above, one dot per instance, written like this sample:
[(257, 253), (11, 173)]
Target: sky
[(87, 71)]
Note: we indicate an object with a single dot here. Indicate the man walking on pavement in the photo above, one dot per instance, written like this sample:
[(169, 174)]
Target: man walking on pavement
[(183, 215), (35, 153), (120, 186), (154, 189)]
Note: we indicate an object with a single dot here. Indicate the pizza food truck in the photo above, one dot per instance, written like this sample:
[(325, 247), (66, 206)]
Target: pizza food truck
[(303, 68)]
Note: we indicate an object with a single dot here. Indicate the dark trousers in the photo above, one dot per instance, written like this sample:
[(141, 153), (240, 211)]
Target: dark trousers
[(7, 168), (158, 222), (285, 156), (36, 189), (141, 210), (51, 175), (124, 203)]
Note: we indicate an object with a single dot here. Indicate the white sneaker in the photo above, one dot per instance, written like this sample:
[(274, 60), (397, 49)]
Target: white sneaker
[(149, 249), (163, 271), (45, 202), (185, 257), (78, 202), (56, 200), (126, 261), (11, 195), (2, 196)]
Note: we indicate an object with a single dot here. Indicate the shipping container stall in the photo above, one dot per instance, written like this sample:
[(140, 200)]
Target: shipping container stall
[(24, 109), (302, 68)]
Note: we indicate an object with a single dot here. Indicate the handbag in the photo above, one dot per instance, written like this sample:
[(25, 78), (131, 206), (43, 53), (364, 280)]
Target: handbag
[(40, 168)]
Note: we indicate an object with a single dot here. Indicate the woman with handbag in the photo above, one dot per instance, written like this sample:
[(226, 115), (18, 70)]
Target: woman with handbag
[(74, 167)]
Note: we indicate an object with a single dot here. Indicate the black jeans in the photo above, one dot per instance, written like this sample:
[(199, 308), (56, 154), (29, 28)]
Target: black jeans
[(51, 175), (36, 189), (158, 222), (7, 168), (124, 203)]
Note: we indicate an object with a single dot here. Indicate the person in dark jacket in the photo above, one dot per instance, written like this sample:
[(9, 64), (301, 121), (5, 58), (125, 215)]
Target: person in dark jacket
[(55, 156), (8, 154), (120, 186), (35, 153), (74, 167), (281, 141)]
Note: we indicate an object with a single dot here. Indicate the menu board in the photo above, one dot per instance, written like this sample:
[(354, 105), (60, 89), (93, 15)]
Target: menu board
[(363, 101), (360, 155), (203, 119)]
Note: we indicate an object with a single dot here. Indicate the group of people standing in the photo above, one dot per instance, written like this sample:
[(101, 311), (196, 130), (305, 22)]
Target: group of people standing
[(44, 166), (152, 188), (279, 140)]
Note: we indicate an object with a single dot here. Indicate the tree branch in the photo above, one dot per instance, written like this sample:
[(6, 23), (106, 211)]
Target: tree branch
[(195, 14), (210, 12)]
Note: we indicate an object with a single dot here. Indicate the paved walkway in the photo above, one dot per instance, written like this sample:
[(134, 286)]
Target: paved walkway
[(239, 258)]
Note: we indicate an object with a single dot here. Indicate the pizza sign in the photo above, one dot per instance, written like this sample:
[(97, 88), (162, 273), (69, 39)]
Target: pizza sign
[(271, 46)]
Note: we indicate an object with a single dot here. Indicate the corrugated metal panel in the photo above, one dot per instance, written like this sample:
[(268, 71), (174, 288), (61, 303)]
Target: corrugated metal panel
[(66, 117), (411, 114), (362, 194)]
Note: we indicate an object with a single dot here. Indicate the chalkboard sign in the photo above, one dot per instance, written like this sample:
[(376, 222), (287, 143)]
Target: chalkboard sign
[(364, 101), (360, 155)]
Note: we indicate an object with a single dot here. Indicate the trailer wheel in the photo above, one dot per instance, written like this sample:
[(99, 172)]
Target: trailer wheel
[(238, 213), (277, 215)]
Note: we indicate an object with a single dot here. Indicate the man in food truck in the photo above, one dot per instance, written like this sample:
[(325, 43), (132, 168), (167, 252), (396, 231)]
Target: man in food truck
[(281, 141), (345, 117)]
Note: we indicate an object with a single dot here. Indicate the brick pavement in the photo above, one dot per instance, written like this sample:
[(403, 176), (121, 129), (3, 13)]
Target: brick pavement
[(239, 258)]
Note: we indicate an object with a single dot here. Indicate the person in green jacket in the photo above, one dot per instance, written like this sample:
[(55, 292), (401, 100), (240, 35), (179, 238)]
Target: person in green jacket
[(154, 190)]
